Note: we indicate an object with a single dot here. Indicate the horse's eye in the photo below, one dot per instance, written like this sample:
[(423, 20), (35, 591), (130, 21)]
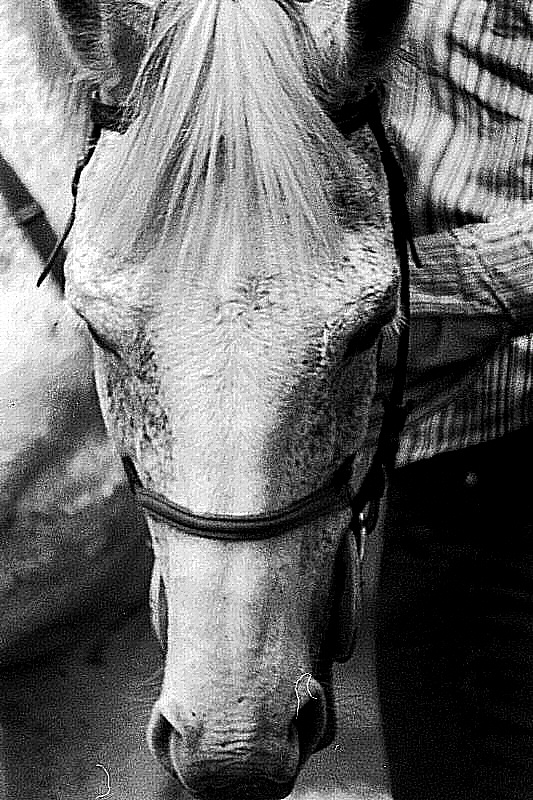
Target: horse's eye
[(96, 339), (363, 340), (103, 343)]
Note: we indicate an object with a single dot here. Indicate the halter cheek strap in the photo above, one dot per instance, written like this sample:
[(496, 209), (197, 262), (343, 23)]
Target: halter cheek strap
[(103, 117)]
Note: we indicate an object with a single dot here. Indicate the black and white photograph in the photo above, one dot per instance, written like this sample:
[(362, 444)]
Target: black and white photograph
[(266, 399)]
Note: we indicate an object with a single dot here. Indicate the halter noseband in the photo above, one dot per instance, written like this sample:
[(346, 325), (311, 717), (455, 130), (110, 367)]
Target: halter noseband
[(335, 493), (331, 496)]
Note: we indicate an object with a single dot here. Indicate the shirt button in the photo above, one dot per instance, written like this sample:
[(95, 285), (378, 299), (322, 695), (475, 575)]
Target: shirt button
[(471, 479)]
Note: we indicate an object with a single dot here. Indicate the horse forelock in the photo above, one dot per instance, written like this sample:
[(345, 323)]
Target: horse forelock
[(229, 145)]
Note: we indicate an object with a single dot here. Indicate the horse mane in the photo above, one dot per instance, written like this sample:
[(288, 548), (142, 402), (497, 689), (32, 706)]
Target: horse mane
[(227, 135), (229, 147)]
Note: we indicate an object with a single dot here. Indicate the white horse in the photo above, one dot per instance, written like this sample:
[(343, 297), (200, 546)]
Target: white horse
[(233, 261)]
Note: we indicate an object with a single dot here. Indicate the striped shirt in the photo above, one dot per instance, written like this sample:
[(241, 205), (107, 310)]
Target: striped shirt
[(461, 116)]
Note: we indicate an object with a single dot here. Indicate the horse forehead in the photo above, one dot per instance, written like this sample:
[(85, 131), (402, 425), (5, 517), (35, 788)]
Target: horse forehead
[(255, 313), (262, 334), (261, 339)]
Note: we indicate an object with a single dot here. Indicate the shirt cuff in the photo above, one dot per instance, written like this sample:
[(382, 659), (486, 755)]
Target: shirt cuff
[(483, 269), (501, 256)]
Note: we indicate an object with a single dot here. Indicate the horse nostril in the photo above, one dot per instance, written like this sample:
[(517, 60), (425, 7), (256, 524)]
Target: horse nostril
[(159, 736), (310, 719), (207, 777)]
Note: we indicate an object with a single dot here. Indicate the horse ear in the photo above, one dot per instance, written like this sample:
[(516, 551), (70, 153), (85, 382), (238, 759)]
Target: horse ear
[(83, 29), (348, 607), (103, 43)]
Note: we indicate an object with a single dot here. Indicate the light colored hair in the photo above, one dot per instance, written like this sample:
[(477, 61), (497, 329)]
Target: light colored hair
[(229, 138), (230, 156)]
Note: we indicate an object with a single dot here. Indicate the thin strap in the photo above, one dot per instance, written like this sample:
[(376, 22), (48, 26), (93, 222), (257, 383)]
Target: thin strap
[(367, 502), (333, 495), (58, 254)]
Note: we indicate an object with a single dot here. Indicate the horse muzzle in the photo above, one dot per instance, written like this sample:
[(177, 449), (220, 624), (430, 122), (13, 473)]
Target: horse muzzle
[(240, 754)]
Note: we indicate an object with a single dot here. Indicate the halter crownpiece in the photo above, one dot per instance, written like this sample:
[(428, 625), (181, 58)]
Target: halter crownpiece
[(103, 117)]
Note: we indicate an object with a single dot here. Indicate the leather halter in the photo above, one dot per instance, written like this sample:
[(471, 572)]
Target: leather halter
[(334, 494), (331, 496)]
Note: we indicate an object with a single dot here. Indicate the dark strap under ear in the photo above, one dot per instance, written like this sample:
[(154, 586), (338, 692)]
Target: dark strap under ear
[(103, 116), (109, 116), (58, 254)]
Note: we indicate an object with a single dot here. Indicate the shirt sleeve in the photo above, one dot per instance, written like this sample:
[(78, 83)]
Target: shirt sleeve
[(478, 270)]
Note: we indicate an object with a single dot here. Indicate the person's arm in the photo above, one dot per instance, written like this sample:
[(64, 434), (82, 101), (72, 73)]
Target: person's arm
[(474, 287), (479, 270)]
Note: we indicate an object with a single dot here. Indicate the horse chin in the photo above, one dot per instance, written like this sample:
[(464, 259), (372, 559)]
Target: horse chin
[(236, 787), (270, 790), (229, 785)]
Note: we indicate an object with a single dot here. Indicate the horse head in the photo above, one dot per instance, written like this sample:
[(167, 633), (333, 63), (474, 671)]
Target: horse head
[(233, 261)]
